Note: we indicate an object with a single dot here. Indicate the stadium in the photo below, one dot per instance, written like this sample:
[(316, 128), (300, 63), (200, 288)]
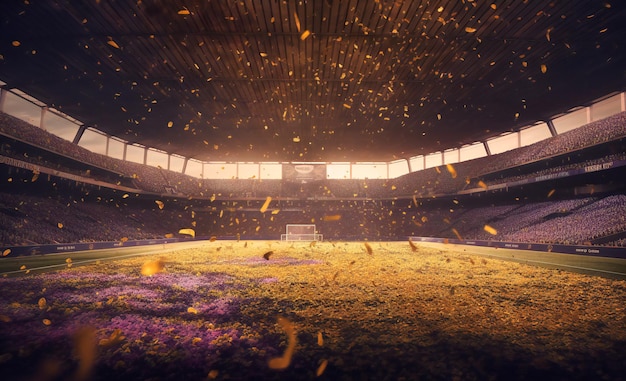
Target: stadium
[(293, 190)]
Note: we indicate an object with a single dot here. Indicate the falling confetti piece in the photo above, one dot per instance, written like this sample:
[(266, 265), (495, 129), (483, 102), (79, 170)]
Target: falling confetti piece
[(321, 368), (113, 44), (16, 43), (152, 267), (369, 249), (170, 124), (482, 184), (46, 321), (266, 256), (320, 339), (490, 230), (470, 29), (413, 246), (125, 195), (296, 19), (42, 303), (548, 33), (159, 203), (456, 233), (346, 105), (23, 267), (169, 235), (184, 12), (451, 170), (6, 252), (192, 310), (60, 225), (334, 217), (544, 68), (86, 351), (213, 374), (262, 54), (551, 192), (296, 139), (304, 35), (284, 361), (188, 231), (266, 204)]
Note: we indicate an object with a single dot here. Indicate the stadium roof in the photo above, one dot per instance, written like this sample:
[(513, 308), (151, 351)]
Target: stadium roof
[(316, 80)]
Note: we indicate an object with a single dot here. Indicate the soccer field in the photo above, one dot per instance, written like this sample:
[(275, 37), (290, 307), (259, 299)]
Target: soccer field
[(344, 310)]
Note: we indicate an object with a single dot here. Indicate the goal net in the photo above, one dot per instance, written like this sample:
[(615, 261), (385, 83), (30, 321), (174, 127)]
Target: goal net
[(300, 232)]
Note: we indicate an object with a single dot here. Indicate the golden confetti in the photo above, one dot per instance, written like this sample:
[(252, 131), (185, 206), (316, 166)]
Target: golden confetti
[(170, 124), (6, 252), (451, 170), (169, 235), (159, 203), (16, 43), (192, 310), (85, 350), (456, 233), (59, 225), (551, 192), (334, 217), (470, 29), (482, 184), (196, 340), (266, 204), (150, 268), (493, 6), (369, 249), (42, 303), (321, 368), (35, 176), (413, 246), (213, 374), (346, 105), (184, 12), (188, 231), (115, 338), (23, 267), (544, 68), (296, 19), (304, 35), (266, 256), (548, 33), (490, 230), (46, 321), (263, 54), (284, 361), (320, 339), (113, 44)]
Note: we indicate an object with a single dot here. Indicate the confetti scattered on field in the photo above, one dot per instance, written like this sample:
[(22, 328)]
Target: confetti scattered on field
[(213, 313)]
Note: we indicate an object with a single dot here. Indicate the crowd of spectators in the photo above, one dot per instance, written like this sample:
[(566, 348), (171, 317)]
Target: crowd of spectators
[(438, 180), (38, 219)]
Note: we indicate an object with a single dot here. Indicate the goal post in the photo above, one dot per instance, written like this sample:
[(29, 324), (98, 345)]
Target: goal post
[(301, 232)]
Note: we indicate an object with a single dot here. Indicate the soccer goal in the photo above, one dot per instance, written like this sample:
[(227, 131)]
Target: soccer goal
[(301, 232)]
